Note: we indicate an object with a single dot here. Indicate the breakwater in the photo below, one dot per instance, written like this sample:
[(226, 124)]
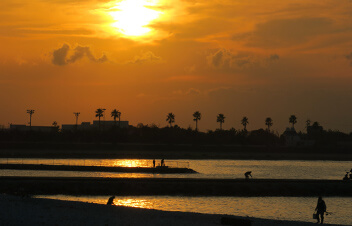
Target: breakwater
[(172, 186), (158, 170)]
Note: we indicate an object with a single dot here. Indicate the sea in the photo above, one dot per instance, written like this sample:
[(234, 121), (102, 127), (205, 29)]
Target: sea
[(279, 208)]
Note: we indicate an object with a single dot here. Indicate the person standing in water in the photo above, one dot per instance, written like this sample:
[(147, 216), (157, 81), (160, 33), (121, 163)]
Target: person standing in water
[(321, 209), (153, 163)]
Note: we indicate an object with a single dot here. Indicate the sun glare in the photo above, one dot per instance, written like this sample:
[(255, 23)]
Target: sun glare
[(132, 17)]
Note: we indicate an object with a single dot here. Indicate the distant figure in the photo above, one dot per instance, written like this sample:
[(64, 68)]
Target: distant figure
[(111, 200), (346, 176), (153, 163), (247, 174), (321, 209), (162, 162)]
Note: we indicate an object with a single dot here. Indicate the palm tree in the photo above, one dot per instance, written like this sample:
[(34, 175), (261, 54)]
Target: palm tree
[(307, 124), (197, 116), (76, 115), (170, 118), (268, 122), (116, 114), (244, 122), (30, 112), (99, 113), (293, 120), (220, 119)]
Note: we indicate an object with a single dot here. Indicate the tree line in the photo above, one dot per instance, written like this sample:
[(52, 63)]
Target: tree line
[(175, 134)]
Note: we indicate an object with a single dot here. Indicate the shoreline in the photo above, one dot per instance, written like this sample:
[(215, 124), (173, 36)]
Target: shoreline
[(38, 211)]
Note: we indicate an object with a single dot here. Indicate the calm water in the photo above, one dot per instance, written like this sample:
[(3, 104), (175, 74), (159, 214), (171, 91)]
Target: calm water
[(275, 169), (280, 208)]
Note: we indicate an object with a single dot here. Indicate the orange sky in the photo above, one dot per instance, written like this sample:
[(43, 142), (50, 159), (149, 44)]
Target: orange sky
[(241, 58)]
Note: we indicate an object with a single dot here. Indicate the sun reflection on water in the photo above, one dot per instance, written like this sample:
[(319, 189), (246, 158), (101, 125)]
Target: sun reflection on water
[(138, 203)]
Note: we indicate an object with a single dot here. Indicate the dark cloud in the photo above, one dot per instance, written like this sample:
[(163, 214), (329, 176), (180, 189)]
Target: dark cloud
[(147, 57), (225, 59), (274, 57), (349, 57), (60, 56), (286, 32)]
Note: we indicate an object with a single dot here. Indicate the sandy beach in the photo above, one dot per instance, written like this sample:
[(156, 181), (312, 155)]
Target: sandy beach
[(33, 211)]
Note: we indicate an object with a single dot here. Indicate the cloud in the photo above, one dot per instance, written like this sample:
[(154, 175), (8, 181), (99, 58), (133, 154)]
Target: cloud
[(189, 92), (146, 57), (225, 59), (274, 57), (287, 32), (349, 57), (61, 56)]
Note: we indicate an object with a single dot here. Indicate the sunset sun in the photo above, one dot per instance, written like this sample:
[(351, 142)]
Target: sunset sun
[(132, 17)]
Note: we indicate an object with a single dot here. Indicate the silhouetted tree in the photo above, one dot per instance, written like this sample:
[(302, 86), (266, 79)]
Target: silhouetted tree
[(76, 115), (99, 113), (220, 119), (316, 124), (116, 114), (307, 124), (30, 112), (293, 120), (197, 116), (268, 122), (170, 118), (244, 122)]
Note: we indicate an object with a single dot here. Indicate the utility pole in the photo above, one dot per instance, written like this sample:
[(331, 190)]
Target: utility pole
[(30, 112), (77, 115)]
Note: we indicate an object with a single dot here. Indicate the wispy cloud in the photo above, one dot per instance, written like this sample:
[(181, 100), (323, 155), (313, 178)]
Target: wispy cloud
[(349, 57), (146, 57)]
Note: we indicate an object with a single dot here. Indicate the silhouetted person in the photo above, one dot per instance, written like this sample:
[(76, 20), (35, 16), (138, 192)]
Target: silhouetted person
[(153, 163), (346, 176), (111, 200), (321, 209), (162, 162), (247, 174)]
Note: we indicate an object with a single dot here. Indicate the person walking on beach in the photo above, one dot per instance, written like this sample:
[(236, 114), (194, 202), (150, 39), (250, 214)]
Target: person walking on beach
[(162, 162), (321, 209), (111, 200), (153, 163), (247, 174)]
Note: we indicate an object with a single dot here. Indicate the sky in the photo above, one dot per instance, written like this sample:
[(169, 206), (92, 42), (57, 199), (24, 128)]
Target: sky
[(147, 58)]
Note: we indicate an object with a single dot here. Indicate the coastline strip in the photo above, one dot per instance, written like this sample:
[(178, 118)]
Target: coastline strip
[(173, 186)]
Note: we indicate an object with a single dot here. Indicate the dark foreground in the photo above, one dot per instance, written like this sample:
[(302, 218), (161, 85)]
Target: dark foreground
[(173, 186), (29, 211)]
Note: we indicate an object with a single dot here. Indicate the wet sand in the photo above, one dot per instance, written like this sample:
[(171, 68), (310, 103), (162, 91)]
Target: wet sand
[(31, 211)]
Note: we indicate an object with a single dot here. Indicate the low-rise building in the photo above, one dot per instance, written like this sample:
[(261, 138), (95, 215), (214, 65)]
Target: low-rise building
[(34, 128), (104, 125)]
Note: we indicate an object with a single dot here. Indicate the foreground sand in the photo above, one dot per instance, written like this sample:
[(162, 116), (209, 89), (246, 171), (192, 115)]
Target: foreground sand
[(30, 211)]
